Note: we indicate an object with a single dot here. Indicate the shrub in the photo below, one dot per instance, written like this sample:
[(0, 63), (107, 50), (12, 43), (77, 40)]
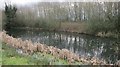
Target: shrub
[(99, 25)]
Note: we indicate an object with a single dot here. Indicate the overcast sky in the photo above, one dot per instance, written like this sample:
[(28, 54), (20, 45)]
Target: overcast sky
[(26, 2), (17, 2)]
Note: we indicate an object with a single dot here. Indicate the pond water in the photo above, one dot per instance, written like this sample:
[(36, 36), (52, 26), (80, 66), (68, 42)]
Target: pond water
[(84, 45)]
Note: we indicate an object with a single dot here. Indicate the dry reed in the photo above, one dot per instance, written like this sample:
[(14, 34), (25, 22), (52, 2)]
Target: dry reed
[(28, 47)]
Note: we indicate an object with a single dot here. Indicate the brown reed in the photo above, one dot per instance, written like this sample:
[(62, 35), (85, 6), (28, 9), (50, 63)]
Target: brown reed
[(28, 47)]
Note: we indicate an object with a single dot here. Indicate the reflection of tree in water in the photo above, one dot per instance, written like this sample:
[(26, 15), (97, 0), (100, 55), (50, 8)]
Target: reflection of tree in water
[(70, 44), (92, 48), (118, 43), (98, 48), (81, 44), (110, 52), (75, 44)]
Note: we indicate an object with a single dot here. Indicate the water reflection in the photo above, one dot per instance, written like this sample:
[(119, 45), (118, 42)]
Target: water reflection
[(83, 45)]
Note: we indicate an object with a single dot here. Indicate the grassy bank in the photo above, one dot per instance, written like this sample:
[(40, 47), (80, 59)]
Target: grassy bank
[(11, 57), (65, 27), (42, 53), (72, 27), (0, 53)]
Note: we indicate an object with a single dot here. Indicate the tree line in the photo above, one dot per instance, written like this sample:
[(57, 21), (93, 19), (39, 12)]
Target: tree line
[(98, 16)]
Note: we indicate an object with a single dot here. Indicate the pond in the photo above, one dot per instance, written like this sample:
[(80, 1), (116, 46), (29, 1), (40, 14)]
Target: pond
[(84, 45)]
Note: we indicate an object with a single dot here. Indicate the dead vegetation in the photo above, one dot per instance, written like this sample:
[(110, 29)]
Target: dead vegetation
[(28, 47)]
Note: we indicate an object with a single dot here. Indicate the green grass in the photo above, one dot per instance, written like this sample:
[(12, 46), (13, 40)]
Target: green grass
[(0, 53), (11, 57), (15, 60)]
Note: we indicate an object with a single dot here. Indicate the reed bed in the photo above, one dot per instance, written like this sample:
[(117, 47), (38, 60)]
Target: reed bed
[(28, 47)]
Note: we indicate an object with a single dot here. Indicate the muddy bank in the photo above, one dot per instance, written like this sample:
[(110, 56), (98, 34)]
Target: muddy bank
[(29, 47)]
